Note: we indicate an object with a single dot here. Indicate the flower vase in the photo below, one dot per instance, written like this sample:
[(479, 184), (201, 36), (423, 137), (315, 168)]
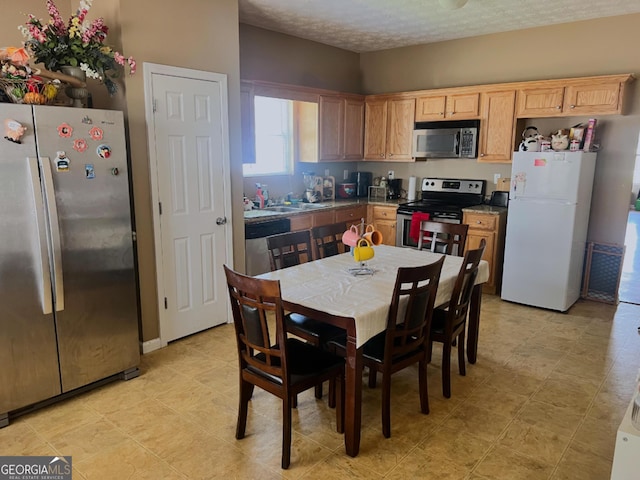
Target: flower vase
[(76, 94)]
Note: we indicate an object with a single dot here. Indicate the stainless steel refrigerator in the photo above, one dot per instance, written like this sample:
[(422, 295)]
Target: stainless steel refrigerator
[(68, 307)]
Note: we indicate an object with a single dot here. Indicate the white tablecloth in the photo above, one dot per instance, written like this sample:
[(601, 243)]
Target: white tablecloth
[(328, 286)]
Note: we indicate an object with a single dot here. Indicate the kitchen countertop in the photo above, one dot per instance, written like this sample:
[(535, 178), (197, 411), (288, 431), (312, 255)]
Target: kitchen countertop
[(489, 209), (255, 216)]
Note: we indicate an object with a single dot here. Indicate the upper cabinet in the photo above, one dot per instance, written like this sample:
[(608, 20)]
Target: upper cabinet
[(388, 132), (497, 126), (341, 122), (461, 106), (572, 97)]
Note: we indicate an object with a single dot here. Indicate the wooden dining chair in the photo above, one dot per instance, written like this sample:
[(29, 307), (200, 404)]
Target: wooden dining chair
[(289, 249), (286, 250), (327, 239), (450, 238), (405, 340), (280, 365), (449, 321)]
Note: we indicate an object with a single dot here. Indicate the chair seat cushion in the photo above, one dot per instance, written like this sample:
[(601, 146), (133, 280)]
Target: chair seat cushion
[(305, 361), (323, 332), (372, 350)]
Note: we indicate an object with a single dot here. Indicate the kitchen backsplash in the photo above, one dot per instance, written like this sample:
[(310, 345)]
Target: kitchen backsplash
[(280, 185)]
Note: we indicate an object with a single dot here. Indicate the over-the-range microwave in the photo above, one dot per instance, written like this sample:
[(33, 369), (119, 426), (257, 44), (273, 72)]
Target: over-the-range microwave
[(445, 141)]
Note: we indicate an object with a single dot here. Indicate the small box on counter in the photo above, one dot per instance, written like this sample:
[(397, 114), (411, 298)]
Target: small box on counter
[(377, 194), (590, 135)]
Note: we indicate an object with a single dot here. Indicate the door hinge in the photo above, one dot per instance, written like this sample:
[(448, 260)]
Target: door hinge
[(134, 236), (165, 303), (160, 207), (155, 105)]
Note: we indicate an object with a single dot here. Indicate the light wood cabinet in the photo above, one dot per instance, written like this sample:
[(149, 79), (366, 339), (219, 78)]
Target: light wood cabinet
[(341, 125), (497, 126), (588, 97), (351, 215), (447, 107), (301, 222), (491, 228), (388, 129), (593, 98), (383, 218), (354, 128), (305, 221)]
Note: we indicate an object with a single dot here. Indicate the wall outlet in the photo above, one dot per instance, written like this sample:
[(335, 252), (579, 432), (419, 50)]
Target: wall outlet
[(496, 176), (345, 175), (326, 172), (390, 175)]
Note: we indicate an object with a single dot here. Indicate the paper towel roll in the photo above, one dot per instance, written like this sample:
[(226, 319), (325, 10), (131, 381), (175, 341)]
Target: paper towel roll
[(411, 191)]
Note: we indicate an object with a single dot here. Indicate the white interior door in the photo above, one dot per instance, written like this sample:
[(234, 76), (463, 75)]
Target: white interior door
[(193, 237)]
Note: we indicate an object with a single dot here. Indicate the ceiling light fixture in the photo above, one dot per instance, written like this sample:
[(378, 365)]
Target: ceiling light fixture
[(452, 4)]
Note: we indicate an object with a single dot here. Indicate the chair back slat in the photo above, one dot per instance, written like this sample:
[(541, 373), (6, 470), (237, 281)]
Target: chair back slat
[(408, 327), (440, 237), (327, 239), (289, 249)]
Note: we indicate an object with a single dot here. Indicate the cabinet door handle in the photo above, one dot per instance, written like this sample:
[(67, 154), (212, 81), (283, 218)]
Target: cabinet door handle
[(558, 107), (482, 154), (572, 106)]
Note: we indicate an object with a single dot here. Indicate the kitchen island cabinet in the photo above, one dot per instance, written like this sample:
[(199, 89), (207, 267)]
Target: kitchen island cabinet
[(388, 130), (488, 223)]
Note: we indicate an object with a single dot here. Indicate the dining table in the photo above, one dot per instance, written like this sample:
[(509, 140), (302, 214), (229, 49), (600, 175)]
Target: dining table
[(338, 291)]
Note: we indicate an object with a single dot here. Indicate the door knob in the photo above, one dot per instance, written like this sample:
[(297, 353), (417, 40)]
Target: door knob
[(221, 220)]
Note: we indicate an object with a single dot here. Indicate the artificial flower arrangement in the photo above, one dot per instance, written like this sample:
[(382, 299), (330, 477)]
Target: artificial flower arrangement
[(57, 44)]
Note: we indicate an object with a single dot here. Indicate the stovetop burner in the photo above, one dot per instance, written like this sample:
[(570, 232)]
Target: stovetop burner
[(446, 195)]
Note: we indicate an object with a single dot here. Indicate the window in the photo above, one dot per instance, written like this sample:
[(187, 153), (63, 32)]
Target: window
[(274, 137)]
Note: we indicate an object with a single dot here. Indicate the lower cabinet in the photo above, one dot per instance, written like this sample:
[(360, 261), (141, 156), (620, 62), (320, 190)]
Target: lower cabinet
[(489, 226), (383, 218), (351, 215), (305, 221)]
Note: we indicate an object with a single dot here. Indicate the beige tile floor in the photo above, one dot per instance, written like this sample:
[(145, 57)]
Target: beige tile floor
[(543, 401)]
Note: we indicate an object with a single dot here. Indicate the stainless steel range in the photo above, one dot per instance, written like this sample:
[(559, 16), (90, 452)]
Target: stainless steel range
[(443, 199)]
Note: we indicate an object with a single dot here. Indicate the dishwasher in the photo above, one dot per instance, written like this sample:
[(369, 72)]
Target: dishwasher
[(256, 255)]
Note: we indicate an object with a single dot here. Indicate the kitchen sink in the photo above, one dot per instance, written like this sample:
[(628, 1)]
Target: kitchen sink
[(310, 206)]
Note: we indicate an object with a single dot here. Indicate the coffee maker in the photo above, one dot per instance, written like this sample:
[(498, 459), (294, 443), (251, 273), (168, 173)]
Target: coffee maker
[(362, 181), (393, 188)]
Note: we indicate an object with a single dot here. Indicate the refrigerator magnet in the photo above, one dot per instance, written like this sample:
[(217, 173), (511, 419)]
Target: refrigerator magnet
[(89, 171), (13, 130), (86, 120), (540, 162), (65, 130), (103, 151), (62, 162), (96, 133), (79, 145)]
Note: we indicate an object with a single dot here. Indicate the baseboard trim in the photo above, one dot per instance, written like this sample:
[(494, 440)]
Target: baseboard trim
[(151, 345)]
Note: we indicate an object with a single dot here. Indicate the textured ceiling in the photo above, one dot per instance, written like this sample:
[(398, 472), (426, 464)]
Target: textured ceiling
[(369, 25)]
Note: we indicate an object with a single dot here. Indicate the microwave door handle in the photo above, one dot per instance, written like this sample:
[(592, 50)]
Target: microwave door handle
[(456, 145)]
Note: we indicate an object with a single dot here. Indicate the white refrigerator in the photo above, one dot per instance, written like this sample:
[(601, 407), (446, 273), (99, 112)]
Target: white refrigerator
[(547, 221)]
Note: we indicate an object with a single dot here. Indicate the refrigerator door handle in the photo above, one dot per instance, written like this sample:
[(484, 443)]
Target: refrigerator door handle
[(54, 231), (45, 286)]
